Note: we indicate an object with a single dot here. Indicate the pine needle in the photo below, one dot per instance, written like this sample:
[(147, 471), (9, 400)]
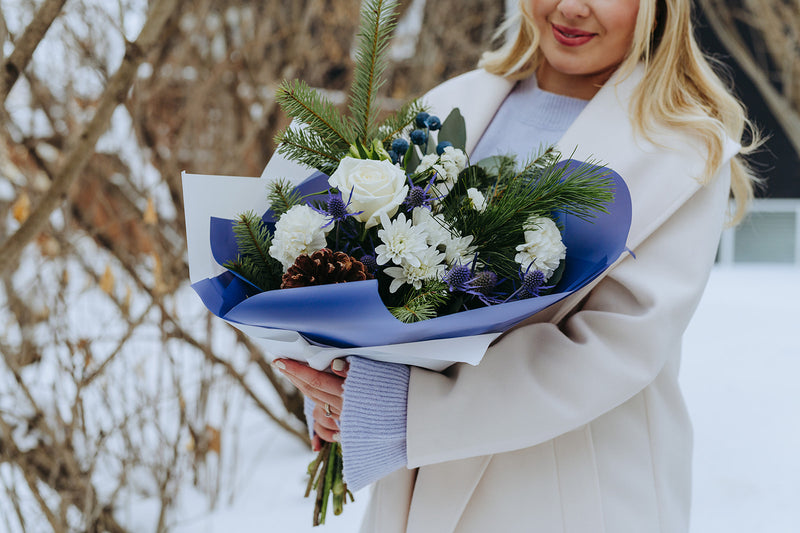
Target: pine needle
[(254, 262), (377, 23), (422, 304), (282, 196)]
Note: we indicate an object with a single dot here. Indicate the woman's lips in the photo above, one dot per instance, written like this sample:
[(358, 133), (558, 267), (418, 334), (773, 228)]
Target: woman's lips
[(571, 36)]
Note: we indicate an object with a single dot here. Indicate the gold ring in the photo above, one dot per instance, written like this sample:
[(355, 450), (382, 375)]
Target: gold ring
[(328, 410)]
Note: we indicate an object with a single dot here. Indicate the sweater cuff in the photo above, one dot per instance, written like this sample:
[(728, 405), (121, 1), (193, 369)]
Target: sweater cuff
[(373, 420), (308, 411)]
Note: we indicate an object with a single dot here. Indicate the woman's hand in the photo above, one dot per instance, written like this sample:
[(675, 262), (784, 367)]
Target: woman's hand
[(325, 389)]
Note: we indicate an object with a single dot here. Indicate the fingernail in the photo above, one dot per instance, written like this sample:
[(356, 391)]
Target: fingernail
[(279, 365), (337, 365), (337, 437)]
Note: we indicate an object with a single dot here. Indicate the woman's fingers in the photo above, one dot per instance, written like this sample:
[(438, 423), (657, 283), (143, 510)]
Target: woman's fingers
[(321, 387), (332, 421), (340, 367), (325, 433)]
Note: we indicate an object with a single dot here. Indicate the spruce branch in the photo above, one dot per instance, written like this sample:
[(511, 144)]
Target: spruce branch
[(422, 304), (282, 195), (377, 23), (306, 148), (254, 262), (308, 106)]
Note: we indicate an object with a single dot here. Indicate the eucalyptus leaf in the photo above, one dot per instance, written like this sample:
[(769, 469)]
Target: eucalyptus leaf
[(454, 129)]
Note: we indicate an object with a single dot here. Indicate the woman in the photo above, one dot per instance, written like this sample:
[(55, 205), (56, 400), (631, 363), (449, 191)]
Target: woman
[(573, 421)]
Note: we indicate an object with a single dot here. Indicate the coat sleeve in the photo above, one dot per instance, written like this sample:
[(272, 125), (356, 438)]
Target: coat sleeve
[(542, 380)]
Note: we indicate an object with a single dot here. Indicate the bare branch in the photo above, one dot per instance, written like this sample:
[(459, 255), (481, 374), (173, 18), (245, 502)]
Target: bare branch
[(26, 45), (79, 154)]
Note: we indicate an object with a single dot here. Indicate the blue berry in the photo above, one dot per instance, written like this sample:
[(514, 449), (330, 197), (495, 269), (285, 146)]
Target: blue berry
[(394, 156), (433, 122), (419, 137), (400, 146), (441, 146), (421, 118)]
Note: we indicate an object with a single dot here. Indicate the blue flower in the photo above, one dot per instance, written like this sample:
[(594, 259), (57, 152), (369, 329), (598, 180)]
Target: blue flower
[(400, 146), (433, 122), (441, 146), (419, 137), (336, 208), (421, 118), (393, 155), (419, 197), (458, 278)]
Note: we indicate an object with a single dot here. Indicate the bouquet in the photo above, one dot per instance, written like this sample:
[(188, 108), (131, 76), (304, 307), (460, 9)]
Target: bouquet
[(398, 239)]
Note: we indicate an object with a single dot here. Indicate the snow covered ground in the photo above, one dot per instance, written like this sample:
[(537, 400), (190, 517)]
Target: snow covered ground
[(741, 365)]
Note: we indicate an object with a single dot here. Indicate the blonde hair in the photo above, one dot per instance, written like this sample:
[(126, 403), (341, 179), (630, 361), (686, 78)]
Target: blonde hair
[(679, 88)]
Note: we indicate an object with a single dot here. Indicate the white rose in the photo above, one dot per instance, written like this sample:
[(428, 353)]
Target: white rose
[(377, 187), (298, 231), (543, 248)]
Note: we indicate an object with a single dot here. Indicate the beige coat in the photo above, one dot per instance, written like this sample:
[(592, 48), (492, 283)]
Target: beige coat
[(574, 423)]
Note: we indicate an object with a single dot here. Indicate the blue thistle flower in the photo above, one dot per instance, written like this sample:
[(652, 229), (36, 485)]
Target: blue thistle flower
[(419, 197), (400, 146), (484, 282), (419, 137), (433, 122), (369, 263), (336, 208), (422, 116), (441, 146), (395, 157), (533, 281), (458, 278)]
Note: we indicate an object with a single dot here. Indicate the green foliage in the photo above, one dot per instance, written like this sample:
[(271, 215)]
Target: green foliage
[(422, 304), (539, 188), (308, 106), (395, 125), (282, 195), (306, 147), (321, 135), (254, 262), (454, 129), (378, 19)]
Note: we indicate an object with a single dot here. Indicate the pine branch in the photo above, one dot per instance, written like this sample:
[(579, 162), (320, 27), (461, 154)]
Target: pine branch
[(396, 123), (254, 262), (306, 148), (309, 107), (282, 195), (422, 304), (377, 23)]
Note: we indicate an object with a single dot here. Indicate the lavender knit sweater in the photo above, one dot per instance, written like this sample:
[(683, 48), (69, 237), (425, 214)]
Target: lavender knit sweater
[(373, 421)]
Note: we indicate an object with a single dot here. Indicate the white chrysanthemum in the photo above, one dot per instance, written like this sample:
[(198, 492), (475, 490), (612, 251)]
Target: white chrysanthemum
[(402, 241), (298, 231), (477, 199), (431, 161), (459, 251), (430, 267), (543, 248), (454, 161), (433, 225)]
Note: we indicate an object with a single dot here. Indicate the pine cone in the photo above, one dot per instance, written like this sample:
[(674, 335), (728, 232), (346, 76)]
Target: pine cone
[(323, 267)]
